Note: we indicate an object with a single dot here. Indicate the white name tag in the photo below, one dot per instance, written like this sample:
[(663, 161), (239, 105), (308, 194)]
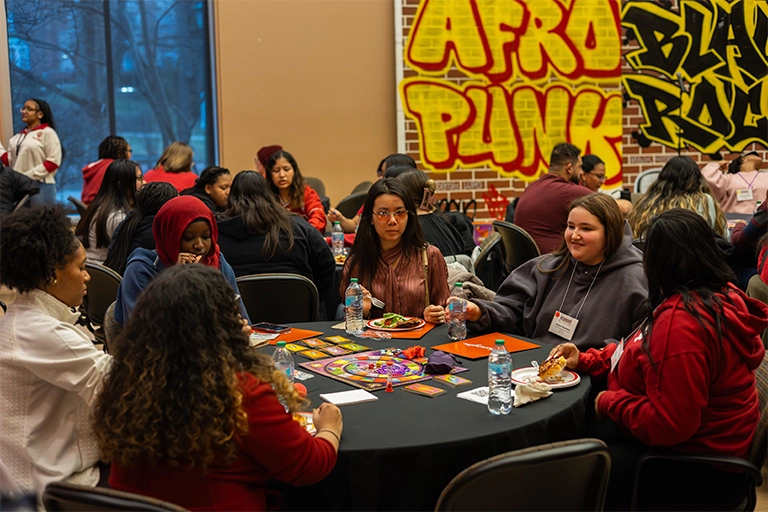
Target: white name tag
[(563, 325), (617, 355), (744, 194)]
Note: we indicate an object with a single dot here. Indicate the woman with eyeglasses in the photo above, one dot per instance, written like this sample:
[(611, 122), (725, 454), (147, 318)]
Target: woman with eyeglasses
[(737, 185), (592, 172), (36, 150), (392, 261), (114, 201), (287, 184)]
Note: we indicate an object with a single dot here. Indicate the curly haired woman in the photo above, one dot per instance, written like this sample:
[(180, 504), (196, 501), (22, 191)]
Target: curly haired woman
[(190, 413), (50, 370)]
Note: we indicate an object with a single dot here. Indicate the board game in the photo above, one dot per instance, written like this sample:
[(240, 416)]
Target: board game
[(368, 370)]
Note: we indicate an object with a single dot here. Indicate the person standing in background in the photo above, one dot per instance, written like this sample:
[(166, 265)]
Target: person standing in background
[(737, 185), (36, 150)]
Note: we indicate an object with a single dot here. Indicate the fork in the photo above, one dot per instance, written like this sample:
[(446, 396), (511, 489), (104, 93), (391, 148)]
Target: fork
[(377, 303)]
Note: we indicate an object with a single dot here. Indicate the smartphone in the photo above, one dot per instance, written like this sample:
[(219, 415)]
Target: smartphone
[(267, 327)]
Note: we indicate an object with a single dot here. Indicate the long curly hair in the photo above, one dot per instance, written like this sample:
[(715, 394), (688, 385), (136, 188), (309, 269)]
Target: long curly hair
[(679, 185), (173, 393)]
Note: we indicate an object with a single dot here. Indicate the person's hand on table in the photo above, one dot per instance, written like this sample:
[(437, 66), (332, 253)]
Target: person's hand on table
[(569, 351), (473, 312), (328, 422), (434, 314), (187, 257)]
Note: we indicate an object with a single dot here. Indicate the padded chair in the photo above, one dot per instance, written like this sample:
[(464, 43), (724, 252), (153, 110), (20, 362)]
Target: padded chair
[(66, 497), (279, 298), (518, 245), (351, 204), (318, 186), (744, 498), (363, 186), (645, 179), (112, 329), (102, 291), (567, 475), (79, 205), (489, 265)]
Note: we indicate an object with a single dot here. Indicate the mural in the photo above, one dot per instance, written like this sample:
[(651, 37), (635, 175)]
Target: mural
[(537, 72), (718, 48)]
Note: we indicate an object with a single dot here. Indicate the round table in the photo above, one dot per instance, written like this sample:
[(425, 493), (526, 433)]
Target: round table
[(399, 452)]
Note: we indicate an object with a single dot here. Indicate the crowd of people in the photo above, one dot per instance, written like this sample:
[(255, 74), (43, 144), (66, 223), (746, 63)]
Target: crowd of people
[(186, 411)]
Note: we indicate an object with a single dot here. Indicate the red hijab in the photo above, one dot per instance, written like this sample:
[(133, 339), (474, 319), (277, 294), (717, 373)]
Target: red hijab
[(171, 221)]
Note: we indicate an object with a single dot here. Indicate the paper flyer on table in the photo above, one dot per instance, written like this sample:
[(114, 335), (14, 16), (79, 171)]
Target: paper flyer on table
[(479, 395), (355, 396)]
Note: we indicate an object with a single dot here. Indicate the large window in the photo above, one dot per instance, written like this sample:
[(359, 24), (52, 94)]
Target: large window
[(138, 69)]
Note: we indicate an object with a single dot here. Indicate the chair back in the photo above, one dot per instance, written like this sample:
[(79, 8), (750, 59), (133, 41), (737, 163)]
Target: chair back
[(645, 179), (351, 204), (21, 203), (639, 243), (315, 184), (363, 186), (489, 265), (112, 329), (79, 205), (102, 291), (567, 475), (66, 497), (518, 245), (759, 449), (279, 298)]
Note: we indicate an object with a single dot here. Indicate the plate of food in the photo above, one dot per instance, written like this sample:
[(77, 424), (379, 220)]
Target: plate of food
[(340, 258), (395, 322), (551, 372)]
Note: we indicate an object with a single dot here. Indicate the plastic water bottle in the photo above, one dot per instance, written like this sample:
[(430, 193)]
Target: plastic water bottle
[(457, 323), (337, 238), (354, 303), (499, 380), (283, 360)]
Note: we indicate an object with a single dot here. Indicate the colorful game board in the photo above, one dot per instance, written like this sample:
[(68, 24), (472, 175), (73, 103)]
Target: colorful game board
[(368, 370)]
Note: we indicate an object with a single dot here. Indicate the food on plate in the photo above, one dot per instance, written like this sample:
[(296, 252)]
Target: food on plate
[(395, 321), (340, 258), (551, 368)]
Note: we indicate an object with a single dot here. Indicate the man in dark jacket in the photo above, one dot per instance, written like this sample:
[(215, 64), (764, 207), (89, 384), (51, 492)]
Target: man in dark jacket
[(13, 187)]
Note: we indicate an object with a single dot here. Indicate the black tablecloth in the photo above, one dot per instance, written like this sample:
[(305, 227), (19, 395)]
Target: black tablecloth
[(398, 452)]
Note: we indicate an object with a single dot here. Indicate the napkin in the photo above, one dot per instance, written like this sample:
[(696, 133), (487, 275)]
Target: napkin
[(530, 392)]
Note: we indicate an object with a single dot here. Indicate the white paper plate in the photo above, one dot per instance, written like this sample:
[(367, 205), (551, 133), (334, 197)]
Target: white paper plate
[(521, 376)]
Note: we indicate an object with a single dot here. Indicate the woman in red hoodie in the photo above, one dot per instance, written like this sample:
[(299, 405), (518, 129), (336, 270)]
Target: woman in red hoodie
[(684, 380), (111, 148)]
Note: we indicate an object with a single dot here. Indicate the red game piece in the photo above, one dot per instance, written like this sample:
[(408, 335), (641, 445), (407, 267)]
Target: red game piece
[(389, 377), (301, 389)]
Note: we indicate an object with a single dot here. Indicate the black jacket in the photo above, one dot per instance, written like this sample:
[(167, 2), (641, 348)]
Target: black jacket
[(13, 187)]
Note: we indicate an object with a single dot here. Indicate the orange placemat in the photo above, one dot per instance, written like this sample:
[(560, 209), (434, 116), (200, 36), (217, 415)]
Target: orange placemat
[(295, 335), (415, 334), (481, 346)]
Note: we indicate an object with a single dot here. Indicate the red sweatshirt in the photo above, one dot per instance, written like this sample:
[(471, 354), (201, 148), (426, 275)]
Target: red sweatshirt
[(276, 447), (701, 395), (180, 180), (313, 210), (93, 175)]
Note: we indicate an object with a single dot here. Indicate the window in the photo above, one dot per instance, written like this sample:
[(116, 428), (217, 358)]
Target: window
[(145, 75)]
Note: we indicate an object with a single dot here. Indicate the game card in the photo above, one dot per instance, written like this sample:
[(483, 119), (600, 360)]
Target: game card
[(338, 339), (451, 380), (300, 375), (293, 347), (354, 347), (313, 354), (334, 350), (315, 343), (423, 389)]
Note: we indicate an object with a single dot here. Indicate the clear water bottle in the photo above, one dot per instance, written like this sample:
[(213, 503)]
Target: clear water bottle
[(337, 239), (354, 304), (283, 360), (499, 380), (457, 317)]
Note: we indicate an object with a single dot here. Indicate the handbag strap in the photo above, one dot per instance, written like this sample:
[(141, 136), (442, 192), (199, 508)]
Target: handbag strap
[(425, 263)]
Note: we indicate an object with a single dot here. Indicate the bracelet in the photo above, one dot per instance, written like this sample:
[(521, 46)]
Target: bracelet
[(334, 434)]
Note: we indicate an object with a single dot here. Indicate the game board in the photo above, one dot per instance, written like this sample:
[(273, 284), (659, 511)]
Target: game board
[(368, 370)]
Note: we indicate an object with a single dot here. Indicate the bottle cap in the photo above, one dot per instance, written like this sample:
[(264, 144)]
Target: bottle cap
[(336, 222), (499, 342), (459, 285), (353, 280), (280, 344)]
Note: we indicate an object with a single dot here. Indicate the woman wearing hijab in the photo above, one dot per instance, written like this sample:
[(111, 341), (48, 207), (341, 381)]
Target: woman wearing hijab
[(185, 232)]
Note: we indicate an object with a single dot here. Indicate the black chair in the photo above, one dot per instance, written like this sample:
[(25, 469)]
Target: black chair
[(639, 243), (567, 475), (727, 498), (66, 497), (645, 179), (351, 204), (489, 265), (363, 186), (102, 291), (518, 245), (79, 205), (279, 298), (318, 186), (21, 203)]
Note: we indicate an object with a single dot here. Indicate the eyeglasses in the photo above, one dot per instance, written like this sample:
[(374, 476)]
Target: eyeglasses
[(27, 109), (384, 215), (600, 177)]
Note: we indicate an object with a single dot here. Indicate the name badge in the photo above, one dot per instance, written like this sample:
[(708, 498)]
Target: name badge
[(617, 355), (563, 325), (744, 194)]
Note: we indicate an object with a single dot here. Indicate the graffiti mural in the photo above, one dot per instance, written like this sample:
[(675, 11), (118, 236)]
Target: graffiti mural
[(704, 80), (537, 72)]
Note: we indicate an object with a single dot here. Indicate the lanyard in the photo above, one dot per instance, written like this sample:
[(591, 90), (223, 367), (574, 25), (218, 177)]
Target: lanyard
[(588, 290), (749, 183), (21, 140)]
